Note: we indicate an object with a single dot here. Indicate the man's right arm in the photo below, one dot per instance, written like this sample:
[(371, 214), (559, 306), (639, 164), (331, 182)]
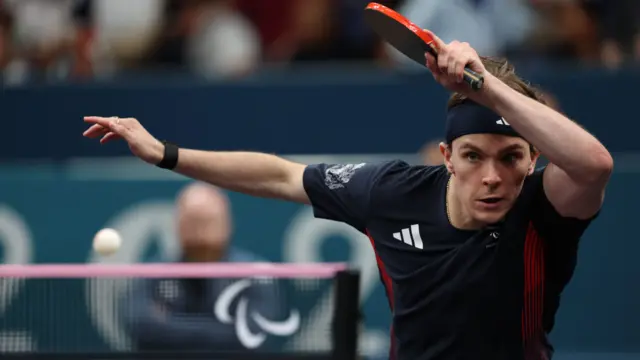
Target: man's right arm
[(339, 192), (250, 173)]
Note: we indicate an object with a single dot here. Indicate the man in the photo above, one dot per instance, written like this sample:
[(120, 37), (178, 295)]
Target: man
[(178, 315), (473, 254)]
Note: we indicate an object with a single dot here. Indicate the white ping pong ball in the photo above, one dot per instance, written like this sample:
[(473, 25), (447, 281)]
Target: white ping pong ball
[(106, 242)]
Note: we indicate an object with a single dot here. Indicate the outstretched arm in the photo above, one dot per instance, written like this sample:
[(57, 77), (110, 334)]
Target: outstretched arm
[(339, 192), (251, 173)]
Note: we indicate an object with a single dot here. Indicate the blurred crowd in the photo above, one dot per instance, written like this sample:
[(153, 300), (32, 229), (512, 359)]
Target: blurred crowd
[(76, 39)]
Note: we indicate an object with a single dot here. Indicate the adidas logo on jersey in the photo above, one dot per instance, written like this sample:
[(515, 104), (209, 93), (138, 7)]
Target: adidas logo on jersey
[(502, 121), (410, 236)]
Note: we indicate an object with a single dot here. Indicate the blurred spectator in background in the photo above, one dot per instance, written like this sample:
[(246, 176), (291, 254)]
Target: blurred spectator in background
[(211, 38), (63, 39), (123, 32), (618, 24), (591, 31), (179, 314), (284, 25), (430, 153), (490, 26), (45, 39), (566, 31), (296, 31), (105, 37)]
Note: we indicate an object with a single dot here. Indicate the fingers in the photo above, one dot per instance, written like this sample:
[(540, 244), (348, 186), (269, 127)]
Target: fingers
[(464, 57), (94, 131), (438, 43), (110, 136), (97, 130), (432, 64), (449, 57), (457, 65), (452, 65), (102, 121), (453, 58), (113, 123), (103, 125)]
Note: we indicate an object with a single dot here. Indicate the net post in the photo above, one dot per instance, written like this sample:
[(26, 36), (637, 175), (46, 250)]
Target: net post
[(346, 315)]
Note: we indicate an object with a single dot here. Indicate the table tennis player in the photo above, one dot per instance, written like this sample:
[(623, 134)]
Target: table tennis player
[(475, 253)]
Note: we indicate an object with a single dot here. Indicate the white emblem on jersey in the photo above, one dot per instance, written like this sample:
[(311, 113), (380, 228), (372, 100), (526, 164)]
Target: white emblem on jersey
[(410, 236), (338, 175)]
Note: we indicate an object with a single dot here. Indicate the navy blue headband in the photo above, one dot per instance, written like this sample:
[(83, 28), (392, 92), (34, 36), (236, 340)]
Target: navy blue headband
[(472, 118)]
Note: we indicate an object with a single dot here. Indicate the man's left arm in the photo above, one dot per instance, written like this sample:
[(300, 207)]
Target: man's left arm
[(580, 166)]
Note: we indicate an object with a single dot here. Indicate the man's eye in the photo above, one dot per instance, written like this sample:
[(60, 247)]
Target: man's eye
[(472, 156), (511, 158)]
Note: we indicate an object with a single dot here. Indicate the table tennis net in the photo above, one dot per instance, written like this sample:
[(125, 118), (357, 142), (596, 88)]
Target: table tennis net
[(279, 310)]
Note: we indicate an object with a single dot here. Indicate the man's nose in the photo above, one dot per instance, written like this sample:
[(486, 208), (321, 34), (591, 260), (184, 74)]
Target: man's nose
[(491, 177)]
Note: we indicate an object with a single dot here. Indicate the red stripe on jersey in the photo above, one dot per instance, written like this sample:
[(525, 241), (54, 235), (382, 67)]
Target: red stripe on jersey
[(533, 288), (388, 287)]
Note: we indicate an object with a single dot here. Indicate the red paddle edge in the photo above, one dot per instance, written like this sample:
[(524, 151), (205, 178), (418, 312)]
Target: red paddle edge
[(425, 36)]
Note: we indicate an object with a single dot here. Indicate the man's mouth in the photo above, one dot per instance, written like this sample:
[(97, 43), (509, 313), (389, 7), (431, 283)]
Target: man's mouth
[(491, 203), (491, 200)]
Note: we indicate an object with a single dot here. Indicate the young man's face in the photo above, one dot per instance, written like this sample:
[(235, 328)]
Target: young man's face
[(490, 171)]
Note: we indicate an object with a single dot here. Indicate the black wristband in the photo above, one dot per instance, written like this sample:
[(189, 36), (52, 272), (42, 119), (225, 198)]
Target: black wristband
[(170, 159)]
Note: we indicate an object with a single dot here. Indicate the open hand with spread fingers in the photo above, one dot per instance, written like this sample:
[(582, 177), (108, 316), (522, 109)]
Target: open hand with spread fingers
[(140, 141)]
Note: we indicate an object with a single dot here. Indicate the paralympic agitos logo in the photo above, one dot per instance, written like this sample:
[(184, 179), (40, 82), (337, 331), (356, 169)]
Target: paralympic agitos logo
[(249, 339)]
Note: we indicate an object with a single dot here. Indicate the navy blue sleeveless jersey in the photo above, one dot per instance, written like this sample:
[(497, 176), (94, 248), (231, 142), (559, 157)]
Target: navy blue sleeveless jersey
[(454, 294)]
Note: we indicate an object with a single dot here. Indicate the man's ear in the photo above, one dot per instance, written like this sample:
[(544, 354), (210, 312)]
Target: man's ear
[(446, 153), (535, 155)]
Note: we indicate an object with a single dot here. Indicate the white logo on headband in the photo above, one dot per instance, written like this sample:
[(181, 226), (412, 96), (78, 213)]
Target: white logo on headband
[(502, 121)]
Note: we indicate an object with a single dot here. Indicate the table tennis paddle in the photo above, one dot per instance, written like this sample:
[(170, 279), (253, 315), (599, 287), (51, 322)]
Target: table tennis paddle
[(408, 38)]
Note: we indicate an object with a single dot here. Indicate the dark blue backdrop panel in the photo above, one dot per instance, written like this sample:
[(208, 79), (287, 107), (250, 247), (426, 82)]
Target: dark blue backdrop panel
[(342, 113)]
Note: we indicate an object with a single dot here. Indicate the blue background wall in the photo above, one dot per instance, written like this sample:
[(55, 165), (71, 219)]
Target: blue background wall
[(50, 210), (300, 113)]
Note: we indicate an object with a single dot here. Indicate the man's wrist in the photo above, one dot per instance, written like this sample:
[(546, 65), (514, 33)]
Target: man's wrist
[(493, 92), (169, 158), (158, 152)]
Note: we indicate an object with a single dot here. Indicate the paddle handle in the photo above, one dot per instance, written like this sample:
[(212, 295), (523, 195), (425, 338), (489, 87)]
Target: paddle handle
[(474, 79), (471, 77)]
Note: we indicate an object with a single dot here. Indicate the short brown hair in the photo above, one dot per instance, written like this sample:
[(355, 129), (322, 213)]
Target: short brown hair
[(506, 72)]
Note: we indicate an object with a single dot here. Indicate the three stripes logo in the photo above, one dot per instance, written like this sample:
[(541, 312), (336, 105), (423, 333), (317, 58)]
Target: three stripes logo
[(410, 236), (502, 121)]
